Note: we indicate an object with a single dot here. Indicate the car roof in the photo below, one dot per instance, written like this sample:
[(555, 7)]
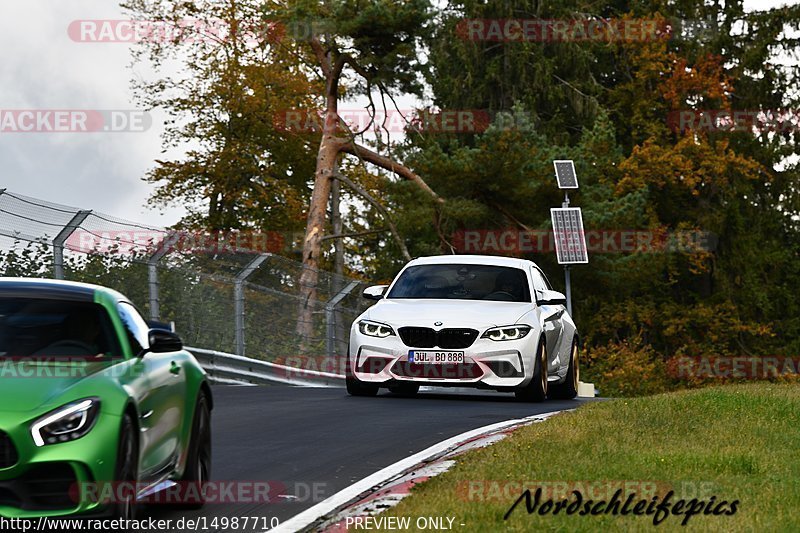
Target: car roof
[(49, 288), (497, 260)]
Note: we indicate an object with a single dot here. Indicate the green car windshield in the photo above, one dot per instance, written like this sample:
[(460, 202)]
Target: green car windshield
[(32, 328)]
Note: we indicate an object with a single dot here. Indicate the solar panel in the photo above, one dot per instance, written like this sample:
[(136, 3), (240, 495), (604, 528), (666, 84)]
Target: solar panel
[(568, 234), (565, 174)]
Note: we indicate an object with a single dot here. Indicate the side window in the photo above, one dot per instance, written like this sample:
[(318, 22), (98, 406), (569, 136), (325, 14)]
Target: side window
[(539, 284), (135, 326)]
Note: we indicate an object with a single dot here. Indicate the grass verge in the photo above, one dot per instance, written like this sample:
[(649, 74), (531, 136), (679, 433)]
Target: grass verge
[(738, 442)]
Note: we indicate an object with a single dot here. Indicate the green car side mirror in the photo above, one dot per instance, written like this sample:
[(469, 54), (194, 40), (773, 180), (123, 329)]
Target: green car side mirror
[(162, 341)]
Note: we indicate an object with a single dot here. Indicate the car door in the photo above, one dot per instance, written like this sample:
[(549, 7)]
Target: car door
[(161, 399), (550, 315)]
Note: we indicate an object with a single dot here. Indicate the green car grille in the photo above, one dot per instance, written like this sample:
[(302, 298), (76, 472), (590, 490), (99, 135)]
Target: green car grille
[(8, 452), (46, 487)]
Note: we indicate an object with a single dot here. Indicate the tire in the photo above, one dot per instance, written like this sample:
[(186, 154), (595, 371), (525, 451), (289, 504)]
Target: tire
[(198, 465), (126, 474), (356, 387), (404, 389), (569, 388), (536, 390)]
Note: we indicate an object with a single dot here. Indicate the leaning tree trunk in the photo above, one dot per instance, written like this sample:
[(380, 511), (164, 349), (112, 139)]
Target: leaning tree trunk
[(331, 146), (315, 229)]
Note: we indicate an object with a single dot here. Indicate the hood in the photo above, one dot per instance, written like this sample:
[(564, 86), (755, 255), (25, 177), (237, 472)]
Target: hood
[(27, 385), (451, 313)]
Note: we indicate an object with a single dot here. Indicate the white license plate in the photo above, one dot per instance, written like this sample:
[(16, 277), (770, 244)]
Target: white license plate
[(435, 358)]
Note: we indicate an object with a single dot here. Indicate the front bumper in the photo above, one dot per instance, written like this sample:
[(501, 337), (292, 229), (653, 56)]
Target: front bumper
[(58, 479), (487, 364)]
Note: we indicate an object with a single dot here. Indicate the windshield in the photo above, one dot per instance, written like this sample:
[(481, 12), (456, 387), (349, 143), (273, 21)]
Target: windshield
[(463, 282), (47, 329)]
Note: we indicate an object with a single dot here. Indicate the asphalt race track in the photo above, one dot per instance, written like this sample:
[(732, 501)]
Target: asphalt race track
[(310, 443)]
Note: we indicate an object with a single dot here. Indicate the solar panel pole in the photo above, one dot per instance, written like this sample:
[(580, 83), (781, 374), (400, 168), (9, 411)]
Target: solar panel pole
[(569, 290), (567, 283), (567, 179)]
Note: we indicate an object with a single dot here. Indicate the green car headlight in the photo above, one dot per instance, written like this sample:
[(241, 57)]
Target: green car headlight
[(375, 329), (66, 423), (506, 333)]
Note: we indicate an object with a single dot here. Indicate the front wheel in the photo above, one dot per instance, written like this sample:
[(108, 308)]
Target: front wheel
[(536, 390), (356, 387), (569, 388), (127, 472), (198, 464)]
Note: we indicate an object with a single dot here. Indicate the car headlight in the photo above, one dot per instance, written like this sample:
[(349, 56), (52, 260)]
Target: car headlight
[(375, 329), (506, 333), (67, 423)]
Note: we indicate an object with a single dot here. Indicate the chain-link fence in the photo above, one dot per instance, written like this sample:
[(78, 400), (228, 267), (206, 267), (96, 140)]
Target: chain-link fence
[(223, 291)]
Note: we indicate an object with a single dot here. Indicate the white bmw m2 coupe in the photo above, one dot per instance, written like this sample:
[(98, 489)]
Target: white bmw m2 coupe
[(466, 321)]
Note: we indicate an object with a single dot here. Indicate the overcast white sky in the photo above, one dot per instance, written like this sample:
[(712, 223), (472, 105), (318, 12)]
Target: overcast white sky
[(41, 68)]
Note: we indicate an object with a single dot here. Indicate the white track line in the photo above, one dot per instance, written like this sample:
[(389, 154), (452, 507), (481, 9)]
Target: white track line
[(344, 496)]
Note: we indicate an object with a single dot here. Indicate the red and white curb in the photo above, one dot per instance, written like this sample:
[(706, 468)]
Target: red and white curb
[(385, 488)]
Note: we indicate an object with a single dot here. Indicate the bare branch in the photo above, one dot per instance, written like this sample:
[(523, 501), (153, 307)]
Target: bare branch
[(389, 164), (371, 110), (368, 197), (347, 58), (385, 118), (394, 102), (509, 216), (568, 84), (355, 234), (437, 223)]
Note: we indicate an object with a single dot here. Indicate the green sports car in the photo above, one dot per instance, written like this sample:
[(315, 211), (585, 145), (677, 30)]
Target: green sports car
[(98, 411)]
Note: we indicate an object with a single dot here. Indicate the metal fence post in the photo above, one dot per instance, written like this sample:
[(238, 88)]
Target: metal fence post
[(152, 272), (330, 317), (61, 238), (238, 299)]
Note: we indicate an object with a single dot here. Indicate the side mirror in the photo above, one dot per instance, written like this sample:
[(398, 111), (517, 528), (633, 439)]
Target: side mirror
[(375, 292), (162, 341), (548, 297)]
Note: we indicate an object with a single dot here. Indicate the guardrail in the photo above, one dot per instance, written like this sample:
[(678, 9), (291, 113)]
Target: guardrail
[(226, 367)]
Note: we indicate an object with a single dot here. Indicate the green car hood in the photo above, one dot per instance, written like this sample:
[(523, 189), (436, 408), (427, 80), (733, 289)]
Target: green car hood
[(27, 385)]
